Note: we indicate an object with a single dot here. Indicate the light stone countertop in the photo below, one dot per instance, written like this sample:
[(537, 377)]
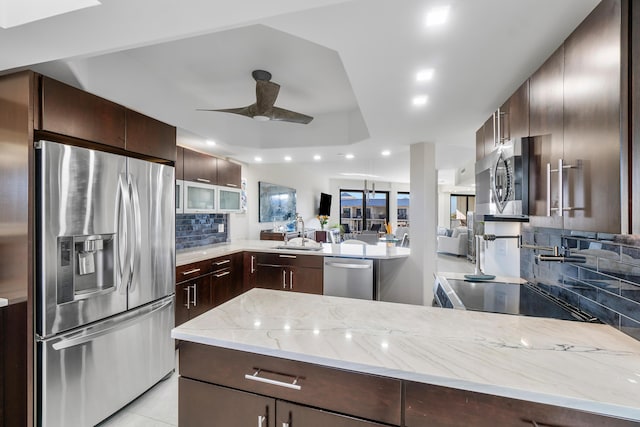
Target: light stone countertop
[(380, 251), (584, 366), (4, 302)]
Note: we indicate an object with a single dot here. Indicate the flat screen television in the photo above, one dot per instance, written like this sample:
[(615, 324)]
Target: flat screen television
[(276, 202), (325, 204)]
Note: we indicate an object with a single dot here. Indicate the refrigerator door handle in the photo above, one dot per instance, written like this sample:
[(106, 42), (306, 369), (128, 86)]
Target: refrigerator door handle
[(137, 231), (122, 227), (82, 338)]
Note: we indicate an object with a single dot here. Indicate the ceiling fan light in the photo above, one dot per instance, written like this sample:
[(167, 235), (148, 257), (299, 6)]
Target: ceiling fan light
[(261, 118)]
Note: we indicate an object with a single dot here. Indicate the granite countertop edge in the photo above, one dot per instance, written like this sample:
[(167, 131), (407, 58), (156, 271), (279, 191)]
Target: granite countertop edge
[(586, 405), (188, 256)]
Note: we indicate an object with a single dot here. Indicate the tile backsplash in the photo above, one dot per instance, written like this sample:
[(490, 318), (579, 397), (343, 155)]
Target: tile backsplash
[(605, 285), (193, 230)]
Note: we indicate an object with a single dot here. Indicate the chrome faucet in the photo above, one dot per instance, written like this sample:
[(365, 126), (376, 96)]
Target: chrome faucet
[(300, 220), (560, 253)]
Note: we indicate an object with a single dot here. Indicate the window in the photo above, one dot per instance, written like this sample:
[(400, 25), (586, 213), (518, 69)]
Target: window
[(354, 202), (403, 208), (458, 206)]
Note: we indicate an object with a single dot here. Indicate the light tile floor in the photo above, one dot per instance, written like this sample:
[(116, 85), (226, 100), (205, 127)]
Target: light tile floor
[(158, 407)]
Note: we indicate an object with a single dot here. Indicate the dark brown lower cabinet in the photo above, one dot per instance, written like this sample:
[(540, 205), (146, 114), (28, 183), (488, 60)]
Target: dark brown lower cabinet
[(193, 297), (429, 405), (203, 404), (287, 272), (291, 415), (206, 405), (340, 397)]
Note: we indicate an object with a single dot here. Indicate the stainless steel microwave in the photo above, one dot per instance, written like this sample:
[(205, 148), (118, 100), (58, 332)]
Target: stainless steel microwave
[(502, 180)]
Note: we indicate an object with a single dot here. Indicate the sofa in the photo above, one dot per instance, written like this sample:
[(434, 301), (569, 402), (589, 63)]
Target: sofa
[(454, 241)]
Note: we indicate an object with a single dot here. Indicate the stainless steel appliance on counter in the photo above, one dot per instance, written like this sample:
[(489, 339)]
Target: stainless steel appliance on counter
[(524, 299), (348, 277), (104, 281)]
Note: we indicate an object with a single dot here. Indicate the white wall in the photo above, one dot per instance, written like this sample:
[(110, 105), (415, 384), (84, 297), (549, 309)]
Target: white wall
[(502, 256), (308, 188)]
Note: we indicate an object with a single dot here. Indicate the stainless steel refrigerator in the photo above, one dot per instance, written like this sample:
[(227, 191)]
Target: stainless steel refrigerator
[(104, 281)]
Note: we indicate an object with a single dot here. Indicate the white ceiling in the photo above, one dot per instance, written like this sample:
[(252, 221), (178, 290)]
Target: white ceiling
[(350, 64)]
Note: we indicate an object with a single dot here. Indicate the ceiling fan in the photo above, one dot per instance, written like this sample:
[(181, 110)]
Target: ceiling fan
[(263, 109)]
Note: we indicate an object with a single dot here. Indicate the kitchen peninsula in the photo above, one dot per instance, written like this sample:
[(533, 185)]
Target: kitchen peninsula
[(282, 356)]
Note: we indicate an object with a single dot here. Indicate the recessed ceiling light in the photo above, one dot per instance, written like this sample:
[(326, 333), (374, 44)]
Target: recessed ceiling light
[(211, 142), (16, 13), (425, 75), (317, 157), (437, 16), (349, 156), (287, 158), (257, 159), (420, 100), (386, 153)]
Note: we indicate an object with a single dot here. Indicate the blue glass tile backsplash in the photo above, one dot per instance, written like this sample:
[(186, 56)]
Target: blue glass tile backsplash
[(193, 230), (605, 285)]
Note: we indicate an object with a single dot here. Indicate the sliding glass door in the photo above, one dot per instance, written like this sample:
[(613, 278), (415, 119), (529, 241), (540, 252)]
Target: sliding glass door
[(360, 210)]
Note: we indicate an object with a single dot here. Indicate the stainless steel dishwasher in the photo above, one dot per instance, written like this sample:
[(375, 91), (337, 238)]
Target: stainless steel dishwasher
[(349, 277)]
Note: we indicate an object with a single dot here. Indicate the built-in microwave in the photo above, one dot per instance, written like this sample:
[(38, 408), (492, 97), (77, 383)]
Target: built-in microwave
[(198, 198), (502, 180)]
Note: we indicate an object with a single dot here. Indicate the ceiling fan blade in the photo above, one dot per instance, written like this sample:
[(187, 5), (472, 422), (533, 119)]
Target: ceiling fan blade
[(266, 94), (280, 114), (243, 111)]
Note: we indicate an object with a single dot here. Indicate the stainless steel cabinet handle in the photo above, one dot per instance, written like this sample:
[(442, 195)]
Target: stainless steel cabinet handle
[(255, 377), (202, 180), (186, 273), (350, 266), (226, 261), (253, 258), (284, 279), (548, 189), (195, 295), (222, 274), (290, 279), (232, 185), (288, 256), (285, 424), (560, 194), (261, 420), (188, 289)]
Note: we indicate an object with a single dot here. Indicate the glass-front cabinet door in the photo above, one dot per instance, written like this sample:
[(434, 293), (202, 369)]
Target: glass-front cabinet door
[(228, 199), (199, 198)]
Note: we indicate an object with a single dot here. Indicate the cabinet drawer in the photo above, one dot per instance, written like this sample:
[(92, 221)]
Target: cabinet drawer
[(361, 395), (310, 261), (189, 271), (429, 405), (221, 263)]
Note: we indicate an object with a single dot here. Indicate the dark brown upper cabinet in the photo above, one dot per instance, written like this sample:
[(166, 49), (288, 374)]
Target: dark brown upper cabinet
[(149, 136), (229, 173), (546, 128), (592, 122), (69, 111), (514, 121), (72, 112), (199, 167)]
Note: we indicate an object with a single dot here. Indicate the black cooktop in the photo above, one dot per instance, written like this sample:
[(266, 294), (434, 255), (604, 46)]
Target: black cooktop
[(510, 298)]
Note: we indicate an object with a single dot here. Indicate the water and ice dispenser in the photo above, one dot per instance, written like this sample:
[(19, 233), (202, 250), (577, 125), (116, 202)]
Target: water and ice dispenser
[(86, 266)]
